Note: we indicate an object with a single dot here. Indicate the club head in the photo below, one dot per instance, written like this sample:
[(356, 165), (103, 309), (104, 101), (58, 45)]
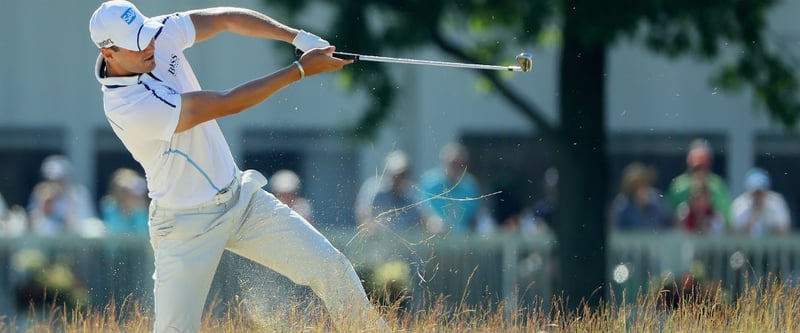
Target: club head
[(525, 61)]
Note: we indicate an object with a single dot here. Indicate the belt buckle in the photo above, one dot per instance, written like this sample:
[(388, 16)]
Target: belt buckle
[(222, 196)]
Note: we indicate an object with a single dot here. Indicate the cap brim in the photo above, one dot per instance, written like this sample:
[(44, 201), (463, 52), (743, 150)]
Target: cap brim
[(148, 31)]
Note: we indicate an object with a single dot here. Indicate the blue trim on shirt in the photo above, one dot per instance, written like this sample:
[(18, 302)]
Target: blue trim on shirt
[(139, 33), (159, 31), (156, 95), (154, 77), (189, 159)]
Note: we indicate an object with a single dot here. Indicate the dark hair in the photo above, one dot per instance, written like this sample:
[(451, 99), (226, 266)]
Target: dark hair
[(634, 175)]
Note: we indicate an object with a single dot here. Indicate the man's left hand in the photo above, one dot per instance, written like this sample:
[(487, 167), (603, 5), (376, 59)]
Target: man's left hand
[(306, 41)]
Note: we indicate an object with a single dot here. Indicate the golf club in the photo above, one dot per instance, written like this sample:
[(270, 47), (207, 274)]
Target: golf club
[(524, 59)]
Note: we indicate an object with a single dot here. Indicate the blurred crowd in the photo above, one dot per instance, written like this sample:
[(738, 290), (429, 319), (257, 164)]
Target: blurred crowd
[(60, 206), (445, 200), (449, 199), (698, 200), (398, 209)]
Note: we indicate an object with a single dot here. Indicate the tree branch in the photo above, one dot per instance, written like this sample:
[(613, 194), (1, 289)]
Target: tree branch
[(527, 109)]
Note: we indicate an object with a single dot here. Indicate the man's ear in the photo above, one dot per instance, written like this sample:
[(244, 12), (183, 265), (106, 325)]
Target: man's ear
[(107, 53)]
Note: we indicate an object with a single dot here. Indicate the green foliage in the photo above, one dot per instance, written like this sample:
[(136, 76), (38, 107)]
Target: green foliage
[(704, 27), (389, 282), (772, 80), (38, 280), (386, 27), (488, 31)]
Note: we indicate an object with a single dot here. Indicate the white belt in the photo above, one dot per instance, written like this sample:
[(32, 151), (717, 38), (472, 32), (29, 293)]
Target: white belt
[(222, 197)]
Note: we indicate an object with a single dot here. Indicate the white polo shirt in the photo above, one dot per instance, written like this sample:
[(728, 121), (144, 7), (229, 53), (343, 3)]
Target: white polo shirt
[(183, 169)]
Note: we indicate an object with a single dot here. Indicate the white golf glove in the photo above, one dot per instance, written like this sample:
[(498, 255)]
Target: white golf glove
[(306, 41)]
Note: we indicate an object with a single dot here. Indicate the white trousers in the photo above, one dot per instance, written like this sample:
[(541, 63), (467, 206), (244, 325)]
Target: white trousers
[(188, 244)]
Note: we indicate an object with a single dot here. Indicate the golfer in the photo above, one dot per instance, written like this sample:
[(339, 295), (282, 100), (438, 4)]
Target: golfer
[(202, 203)]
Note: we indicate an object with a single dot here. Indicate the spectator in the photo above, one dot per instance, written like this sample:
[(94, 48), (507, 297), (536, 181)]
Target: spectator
[(391, 205), (13, 220), (759, 210), (46, 219), (698, 161), (450, 191), (388, 211), (698, 214), (373, 184), (125, 207), (639, 206), (57, 204), (285, 185)]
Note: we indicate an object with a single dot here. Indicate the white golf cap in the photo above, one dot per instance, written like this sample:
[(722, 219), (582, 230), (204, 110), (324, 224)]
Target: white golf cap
[(284, 181), (56, 167), (120, 23), (396, 162), (757, 179)]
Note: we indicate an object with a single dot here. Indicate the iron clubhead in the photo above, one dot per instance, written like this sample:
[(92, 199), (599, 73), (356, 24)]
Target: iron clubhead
[(525, 61)]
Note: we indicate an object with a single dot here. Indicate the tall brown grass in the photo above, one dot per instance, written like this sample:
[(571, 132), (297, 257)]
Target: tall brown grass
[(768, 305)]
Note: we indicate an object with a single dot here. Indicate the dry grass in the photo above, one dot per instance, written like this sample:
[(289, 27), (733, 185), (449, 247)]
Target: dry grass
[(767, 306)]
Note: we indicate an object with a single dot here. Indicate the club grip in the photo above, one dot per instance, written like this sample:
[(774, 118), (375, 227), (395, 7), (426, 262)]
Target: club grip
[(345, 56), (340, 55)]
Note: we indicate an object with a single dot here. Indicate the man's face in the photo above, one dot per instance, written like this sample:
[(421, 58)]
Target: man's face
[(399, 181), (758, 197), (127, 62), (699, 160), (456, 166), (701, 172)]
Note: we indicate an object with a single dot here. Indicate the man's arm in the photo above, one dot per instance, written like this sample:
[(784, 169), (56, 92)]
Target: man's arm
[(201, 106), (211, 21)]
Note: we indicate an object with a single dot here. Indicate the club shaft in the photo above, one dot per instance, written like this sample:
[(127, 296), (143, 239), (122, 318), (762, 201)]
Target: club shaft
[(344, 55)]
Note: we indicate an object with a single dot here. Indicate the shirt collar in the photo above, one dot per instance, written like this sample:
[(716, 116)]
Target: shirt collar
[(111, 82)]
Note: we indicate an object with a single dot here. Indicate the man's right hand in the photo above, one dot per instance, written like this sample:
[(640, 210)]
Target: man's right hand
[(321, 60)]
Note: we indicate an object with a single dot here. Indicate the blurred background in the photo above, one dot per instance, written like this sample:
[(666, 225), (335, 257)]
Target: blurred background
[(659, 97)]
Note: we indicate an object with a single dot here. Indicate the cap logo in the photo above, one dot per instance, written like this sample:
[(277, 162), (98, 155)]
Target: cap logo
[(106, 43), (128, 16)]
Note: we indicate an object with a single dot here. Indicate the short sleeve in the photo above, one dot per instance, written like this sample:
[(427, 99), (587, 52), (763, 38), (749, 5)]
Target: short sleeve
[(179, 27), (740, 210)]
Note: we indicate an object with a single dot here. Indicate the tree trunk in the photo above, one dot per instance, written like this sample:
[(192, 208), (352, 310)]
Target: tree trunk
[(583, 172)]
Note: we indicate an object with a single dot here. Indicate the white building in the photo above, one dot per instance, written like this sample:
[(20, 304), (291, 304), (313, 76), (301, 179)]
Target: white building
[(50, 102)]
